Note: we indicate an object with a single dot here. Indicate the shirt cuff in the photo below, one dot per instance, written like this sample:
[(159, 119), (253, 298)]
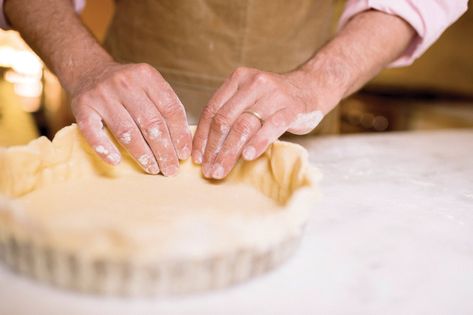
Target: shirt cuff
[(78, 6), (428, 18)]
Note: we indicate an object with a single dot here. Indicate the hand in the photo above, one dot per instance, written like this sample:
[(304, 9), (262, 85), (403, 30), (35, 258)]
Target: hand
[(293, 102), (142, 112)]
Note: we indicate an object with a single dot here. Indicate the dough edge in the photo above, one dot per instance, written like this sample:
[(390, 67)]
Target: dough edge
[(282, 173)]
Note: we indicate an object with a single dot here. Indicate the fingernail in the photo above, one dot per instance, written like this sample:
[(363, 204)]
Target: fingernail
[(218, 171), (114, 158), (249, 153), (171, 171), (153, 169), (154, 133), (206, 169), (198, 157), (185, 153), (144, 160)]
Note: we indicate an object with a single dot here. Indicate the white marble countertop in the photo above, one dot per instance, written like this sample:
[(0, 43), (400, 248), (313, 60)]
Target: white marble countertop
[(393, 234)]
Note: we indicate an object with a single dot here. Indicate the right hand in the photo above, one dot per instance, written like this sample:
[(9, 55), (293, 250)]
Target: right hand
[(140, 109)]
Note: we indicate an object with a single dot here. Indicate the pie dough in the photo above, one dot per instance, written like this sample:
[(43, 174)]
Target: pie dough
[(69, 219)]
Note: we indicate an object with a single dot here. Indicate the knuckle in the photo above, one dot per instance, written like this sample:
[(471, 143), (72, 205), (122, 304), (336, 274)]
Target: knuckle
[(86, 121), (170, 109), (220, 123), (243, 125), (121, 79), (153, 126), (123, 129), (240, 72), (145, 69), (125, 136), (261, 78), (208, 112), (101, 91), (83, 99)]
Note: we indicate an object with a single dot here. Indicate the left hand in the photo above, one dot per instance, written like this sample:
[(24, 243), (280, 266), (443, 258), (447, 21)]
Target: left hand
[(228, 127)]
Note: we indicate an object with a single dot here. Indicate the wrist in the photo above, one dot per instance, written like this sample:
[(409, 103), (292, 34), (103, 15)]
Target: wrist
[(79, 70), (327, 79), (331, 72)]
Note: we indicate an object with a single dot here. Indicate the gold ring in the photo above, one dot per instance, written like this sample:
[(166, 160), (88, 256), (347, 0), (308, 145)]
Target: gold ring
[(255, 114)]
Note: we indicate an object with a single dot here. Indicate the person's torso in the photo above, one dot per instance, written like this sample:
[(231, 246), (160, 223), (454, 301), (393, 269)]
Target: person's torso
[(196, 44)]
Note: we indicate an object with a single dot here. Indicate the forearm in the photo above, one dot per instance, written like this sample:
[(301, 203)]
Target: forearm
[(133, 100), (367, 43), (56, 34)]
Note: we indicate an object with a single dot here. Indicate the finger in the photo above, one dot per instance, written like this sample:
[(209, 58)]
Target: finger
[(272, 129), (154, 129), (91, 127), (159, 139), (221, 96), (245, 127), (124, 128), (171, 108), (201, 134), (225, 118)]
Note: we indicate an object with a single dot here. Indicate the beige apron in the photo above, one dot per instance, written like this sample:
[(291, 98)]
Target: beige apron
[(196, 44)]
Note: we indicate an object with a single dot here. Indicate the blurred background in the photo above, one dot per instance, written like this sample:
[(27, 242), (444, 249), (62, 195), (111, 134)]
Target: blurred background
[(435, 93)]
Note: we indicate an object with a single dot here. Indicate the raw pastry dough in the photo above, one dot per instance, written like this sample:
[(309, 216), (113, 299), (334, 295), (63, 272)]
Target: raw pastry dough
[(62, 197)]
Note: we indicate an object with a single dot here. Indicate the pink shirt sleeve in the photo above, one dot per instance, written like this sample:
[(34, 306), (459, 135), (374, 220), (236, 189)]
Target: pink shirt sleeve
[(428, 18), (78, 5)]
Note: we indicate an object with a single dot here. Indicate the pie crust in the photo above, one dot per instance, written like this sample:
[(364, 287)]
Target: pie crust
[(69, 219)]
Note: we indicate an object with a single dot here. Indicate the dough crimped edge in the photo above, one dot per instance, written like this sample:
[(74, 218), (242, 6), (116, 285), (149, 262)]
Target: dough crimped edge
[(283, 173)]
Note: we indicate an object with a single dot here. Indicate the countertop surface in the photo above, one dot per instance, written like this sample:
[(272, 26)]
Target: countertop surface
[(392, 234)]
